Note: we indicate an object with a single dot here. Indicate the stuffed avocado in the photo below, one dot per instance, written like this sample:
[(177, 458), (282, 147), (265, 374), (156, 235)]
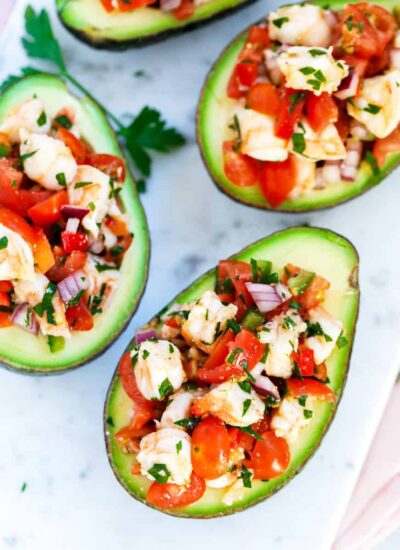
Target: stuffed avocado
[(225, 394), (118, 24), (301, 111), (74, 243)]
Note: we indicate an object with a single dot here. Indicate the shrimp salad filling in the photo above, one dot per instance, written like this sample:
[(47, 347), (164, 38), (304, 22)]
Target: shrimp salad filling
[(179, 9), (63, 233), (315, 93), (222, 387)]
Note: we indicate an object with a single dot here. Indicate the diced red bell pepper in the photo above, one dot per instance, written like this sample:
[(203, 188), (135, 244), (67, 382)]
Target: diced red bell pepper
[(305, 361), (74, 241)]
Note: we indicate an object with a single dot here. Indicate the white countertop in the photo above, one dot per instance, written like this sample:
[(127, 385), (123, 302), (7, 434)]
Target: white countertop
[(51, 429)]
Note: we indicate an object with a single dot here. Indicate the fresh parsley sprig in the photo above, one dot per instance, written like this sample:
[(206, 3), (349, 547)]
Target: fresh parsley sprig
[(145, 132)]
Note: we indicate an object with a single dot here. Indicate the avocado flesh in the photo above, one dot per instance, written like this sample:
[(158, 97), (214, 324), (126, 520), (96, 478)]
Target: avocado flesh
[(319, 250), (89, 21), (26, 352), (212, 122)]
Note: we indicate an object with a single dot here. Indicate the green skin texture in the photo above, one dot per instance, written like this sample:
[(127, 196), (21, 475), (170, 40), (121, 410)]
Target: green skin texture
[(213, 119), (89, 21), (319, 250), (25, 352)]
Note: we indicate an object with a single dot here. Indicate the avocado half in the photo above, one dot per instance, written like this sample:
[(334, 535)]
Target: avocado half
[(88, 21), (25, 352), (319, 250), (213, 113)]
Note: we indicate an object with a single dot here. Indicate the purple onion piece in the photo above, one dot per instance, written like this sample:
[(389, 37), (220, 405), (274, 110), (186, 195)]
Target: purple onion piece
[(264, 385), (265, 296), (169, 5), (72, 211), (349, 86), (71, 286), (24, 318), (143, 335)]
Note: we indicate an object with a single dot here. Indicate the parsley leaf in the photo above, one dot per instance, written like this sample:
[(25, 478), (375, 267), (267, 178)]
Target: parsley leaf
[(246, 406), (189, 423), (245, 475), (280, 21), (341, 341), (372, 108), (12, 79), (160, 473), (250, 431), (3, 242), (165, 388)]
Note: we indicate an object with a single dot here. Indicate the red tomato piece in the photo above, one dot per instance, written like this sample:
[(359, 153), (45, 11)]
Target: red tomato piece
[(233, 89), (215, 370), (264, 98), (290, 111), (108, 5), (305, 361), (384, 147), (321, 111), (66, 266), (239, 273), (79, 316), (42, 251), (211, 446), (76, 146), (220, 350), (5, 316), (16, 223), (118, 227), (74, 241), (314, 293), (9, 176), (277, 179), (311, 387), (111, 165), (257, 41), (246, 350), (168, 496), (6, 286), (47, 212), (247, 72), (241, 170), (185, 10), (270, 458), (241, 439)]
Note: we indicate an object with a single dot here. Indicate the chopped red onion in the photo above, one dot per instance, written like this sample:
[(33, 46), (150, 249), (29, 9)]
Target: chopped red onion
[(349, 166), (169, 5), (24, 317), (395, 58), (283, 291), (257, 370), (349, 86), (72, 225), (72, 211), (72, 285), (264, 385), (265, 296), (143, 335)]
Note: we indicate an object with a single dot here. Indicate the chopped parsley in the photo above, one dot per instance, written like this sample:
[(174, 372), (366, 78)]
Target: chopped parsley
[(266, 352), (249, 430), (104, 267), (189, 423), (160, 473), (115, 191), (233, 354), (179, 447), (295, 99), (60, 177), (315, 329), (272, 278), (64, 121), (110, 421), (245, 475), (246, 406), (145, 354), (134, 359), (372, 108), (92, 206), (3, 242), (315, 52), (82, 184), (171, 348), (75, 300), (23, 487), (182, 313), (165, 388), (307, 70), (41, 121), (280, 21), (116, 251), (4, 150), (46, 305), (302, 400), (341, 341), (244, 364), (233, 325), (307, 413), (23, 158), (289, 323), (245, 386), (299, 143), (295, 305), (235, 126)]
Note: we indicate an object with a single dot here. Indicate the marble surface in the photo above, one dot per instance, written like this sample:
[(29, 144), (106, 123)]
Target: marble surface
[(51, 428)]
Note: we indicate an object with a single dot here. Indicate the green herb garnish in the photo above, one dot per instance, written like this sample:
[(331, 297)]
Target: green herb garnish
[(160, 473), (165, 388)]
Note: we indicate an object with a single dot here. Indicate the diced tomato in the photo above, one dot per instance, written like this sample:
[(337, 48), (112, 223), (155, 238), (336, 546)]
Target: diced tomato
[(246, 350), (343, 122), (290, 111), (108, 5), (215, 370), (220, 350), (79, 316), (172, 322), (264, 98), (270, 458), (47, 212), (128, 435), (44, 257), (305, 361), (65, 112), (168, 496), (9, 175), (277, 179), (379, 63), (16, 223), (185, 10), (257, 41), (247, 72), (66, 266), (241, 439), (128, 381), (262, 425), (111, 165), (116, 226), (239, 273), (76, 146), (211, 447), (241, 170), (314, 293), (226, 298), (74, 241), (6, 286), (234, 91), (384, 147), (321, 111), (311, 387), (5, 316)]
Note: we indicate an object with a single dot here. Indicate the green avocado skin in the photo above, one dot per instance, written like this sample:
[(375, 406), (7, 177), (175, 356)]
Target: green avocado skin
[(211, 120), (314, 249), (25, 353), (139, 31)]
